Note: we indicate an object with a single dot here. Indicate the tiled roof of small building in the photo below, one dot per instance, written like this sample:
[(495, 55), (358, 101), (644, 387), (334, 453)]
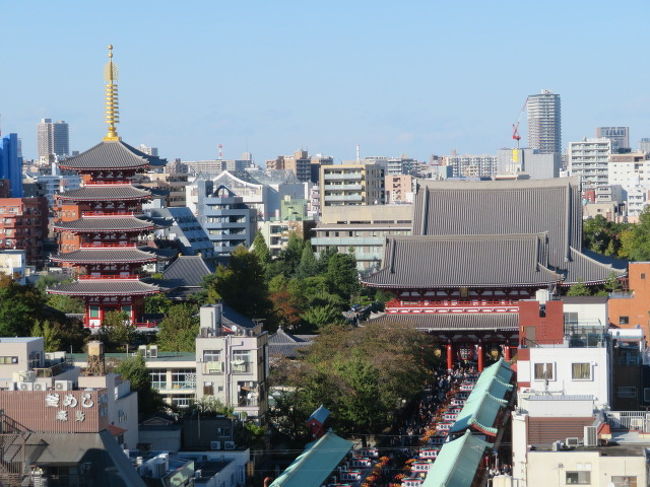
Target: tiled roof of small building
[(186, 271)]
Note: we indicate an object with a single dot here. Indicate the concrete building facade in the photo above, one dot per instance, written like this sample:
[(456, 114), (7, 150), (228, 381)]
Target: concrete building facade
[(589, 159), (620, 137), (52, 139), (351, 185)]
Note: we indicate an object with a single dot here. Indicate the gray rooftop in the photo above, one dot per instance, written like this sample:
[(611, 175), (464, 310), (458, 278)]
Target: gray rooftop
[(464, 260), (285, 344), (105, 287), (451, 321), (110, 155), (107, 255), (590, 268), (186, 271), (109, 192), (552, 206), (105, 224)]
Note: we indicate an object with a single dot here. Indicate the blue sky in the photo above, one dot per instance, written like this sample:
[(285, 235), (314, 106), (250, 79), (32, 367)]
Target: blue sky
[(415, 77)]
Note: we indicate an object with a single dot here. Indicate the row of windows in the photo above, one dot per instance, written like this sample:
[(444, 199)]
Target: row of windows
[(546, 371)]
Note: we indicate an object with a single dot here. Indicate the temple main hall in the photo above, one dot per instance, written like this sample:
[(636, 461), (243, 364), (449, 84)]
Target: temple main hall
[(477, 249)]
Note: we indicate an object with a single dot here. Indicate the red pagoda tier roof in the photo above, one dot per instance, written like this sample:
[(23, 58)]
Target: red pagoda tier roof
[(108, 192), (110, 155), (451, 321), (453, 261), (105, 224), (105, 287), (106, 256)]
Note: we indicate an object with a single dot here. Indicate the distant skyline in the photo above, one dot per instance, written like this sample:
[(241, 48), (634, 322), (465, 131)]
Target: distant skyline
[(416, 77)]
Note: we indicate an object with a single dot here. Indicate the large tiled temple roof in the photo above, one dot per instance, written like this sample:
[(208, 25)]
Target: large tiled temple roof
[(552, 206), (105, 287), (483, 234), (186, 271), (451, 321), (110, 155), (464, 261), (105, 224), (110, 192), (107, 255)]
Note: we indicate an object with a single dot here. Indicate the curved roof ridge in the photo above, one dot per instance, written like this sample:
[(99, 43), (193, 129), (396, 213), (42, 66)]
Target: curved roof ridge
[(500, 184)]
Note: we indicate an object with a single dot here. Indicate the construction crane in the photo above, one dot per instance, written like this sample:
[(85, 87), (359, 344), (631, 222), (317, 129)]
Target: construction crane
[(515, 126)]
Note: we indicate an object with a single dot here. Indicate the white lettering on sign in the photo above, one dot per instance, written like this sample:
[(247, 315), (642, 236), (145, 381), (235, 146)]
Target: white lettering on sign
[(79, 416), (52, 400), (86, 402), (70, 401), (62, 415)]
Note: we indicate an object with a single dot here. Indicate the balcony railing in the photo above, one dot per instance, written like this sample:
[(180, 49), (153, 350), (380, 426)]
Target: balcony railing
[(53, 369)]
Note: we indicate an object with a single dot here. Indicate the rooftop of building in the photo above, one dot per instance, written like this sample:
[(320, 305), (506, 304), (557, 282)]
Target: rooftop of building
[(111, 155), (186, 271), (109, 192), (451, 321)]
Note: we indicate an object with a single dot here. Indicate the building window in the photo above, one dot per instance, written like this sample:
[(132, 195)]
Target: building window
[(241, 362), (581, 371), (623, 481), (7, 360), (544, 371), (184, 379), (94, 312), (578, 478), (626, 392), (212, 355), (181, 402), (208, 389), (642, 277), (158, 378), (623, 320)]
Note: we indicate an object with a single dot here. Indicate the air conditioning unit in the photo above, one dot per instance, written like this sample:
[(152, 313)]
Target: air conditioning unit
[(215, 445), (25, 386), (63, 385), (229, 445), (572, 441), (39, 386), (153, 351), (590, 436)]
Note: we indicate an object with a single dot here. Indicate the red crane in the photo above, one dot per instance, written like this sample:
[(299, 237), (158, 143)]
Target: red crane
[(515, 126)]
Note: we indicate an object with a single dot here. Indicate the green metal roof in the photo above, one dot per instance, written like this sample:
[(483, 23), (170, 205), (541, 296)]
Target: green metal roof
[(457, 462), (485, 400), (312, 467)]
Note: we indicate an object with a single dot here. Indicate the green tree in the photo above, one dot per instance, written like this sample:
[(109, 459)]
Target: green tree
[(135, 371), (579, 289), (178, 330), (603, 236), (342, 276), (292, 254), (308, 266), (20, 307), (50, 333), (635, 240), (261, 250), (241, 285), (117, 332), (65, 304), (320, 316), (157, 304)]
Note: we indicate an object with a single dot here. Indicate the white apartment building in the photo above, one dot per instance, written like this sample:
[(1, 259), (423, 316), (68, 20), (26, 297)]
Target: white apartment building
[(632, 173), (472, 165), (589, 159)]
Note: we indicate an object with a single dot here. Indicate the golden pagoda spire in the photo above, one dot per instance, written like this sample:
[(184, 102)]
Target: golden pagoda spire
[(110, 90)]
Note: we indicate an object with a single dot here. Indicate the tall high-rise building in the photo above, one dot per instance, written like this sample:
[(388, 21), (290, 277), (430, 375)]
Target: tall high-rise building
[(52, 139), (620, 137), (545, 122), (11, 164), (644, 145)]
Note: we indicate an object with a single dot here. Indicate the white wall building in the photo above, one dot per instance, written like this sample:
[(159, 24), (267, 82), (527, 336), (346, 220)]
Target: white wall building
[(589, 159)]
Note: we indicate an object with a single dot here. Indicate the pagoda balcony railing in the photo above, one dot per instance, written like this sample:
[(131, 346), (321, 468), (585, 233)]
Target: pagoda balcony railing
[(109, 276), (108, 213), (99, 245)]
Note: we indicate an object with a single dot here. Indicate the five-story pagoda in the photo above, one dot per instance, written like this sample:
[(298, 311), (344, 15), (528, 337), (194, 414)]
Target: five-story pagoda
[(100, 233)]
